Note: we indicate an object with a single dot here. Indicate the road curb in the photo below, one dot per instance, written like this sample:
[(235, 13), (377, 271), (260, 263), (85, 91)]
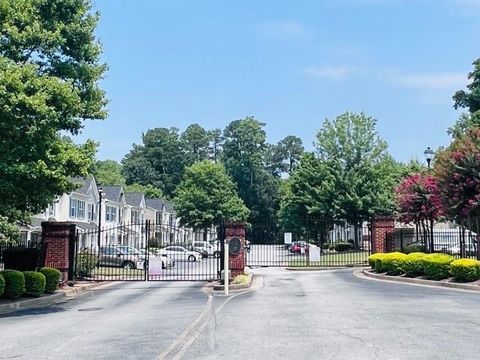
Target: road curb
[(233, 287), (47, 300), (321, 268), (366, 274)]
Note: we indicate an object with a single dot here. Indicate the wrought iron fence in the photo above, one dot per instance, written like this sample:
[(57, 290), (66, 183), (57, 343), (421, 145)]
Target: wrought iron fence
[(147, 251), (21, 254)]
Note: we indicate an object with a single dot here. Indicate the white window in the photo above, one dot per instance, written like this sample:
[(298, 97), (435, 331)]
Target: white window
[(77, 208), (51, 210), (111, 213), (134, 217), (91, 212)]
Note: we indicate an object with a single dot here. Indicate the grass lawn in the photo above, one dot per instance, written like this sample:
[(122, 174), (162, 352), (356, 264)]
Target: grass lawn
[(351, 258), (114, 271)]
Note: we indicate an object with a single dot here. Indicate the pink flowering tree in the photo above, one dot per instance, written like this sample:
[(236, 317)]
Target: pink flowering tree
[(458, 172), (419, 202)]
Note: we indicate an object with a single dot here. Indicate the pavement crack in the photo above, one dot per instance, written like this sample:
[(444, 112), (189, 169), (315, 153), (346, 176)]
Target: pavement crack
[(377, 350)]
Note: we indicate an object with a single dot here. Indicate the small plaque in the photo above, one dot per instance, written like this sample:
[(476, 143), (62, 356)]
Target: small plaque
[(234, 246)]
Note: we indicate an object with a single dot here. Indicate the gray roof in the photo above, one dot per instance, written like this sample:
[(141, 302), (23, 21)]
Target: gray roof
[(112, 193), (84, 184), (158, 203), (134, 199)]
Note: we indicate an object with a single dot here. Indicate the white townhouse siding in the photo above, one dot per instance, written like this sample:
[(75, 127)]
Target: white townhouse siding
[(135, 218), (113, 215)]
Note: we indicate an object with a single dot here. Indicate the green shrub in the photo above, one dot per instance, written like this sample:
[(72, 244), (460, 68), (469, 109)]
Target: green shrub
[(392, 263), (437, 266), (343, 246), (52, 277), (34, 283), (372, 258), (414, 248), (464, 270), (14, 283), (2, 285), (413, 265), (241, 279), (379, 264), (86, 262)]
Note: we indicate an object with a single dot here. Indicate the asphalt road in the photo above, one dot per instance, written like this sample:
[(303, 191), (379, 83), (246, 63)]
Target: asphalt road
[(333, 315), (134, 320)]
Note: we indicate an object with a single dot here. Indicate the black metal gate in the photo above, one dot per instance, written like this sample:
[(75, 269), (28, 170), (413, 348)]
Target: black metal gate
[(311, 245), (147, 251)]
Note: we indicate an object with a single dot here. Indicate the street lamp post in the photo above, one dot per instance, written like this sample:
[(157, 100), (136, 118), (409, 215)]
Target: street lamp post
[(428, 156), (100, 194)]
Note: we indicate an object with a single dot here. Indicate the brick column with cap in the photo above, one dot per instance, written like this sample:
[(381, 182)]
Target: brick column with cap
[(236, 263), (382, 227), (57, 238)]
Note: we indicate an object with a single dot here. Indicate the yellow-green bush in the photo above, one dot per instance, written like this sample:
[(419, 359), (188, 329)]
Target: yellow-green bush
[(464, 270), (412, 265), (437, 266), (392, 263), (372, 258)]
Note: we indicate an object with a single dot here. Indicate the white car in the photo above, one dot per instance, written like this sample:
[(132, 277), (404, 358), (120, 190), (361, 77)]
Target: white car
[(179, 253), (210, 249), (167, 261)]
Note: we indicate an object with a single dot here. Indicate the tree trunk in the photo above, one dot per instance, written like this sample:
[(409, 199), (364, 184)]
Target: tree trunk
[(205, 235), (355, 227)]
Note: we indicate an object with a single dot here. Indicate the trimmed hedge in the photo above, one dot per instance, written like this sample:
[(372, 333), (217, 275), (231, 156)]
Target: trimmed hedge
[(34, 283), (86, 262), (52, 278), (343, 246), (437, 266), (372, 258), (2, 285), (412, 265), (414, 248), (14, 283), (392, 263), (464, 270)]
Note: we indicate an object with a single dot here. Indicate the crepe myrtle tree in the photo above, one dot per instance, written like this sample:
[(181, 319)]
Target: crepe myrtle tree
[(419, 202), (458, 171)]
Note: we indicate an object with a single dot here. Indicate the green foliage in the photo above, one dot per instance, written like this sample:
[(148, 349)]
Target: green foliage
[(49, 73), (342, 246), (373, 258), (284, 156), (465, 270), (437, 266), (194, 141), (241, 279), (379, 264), (392, 263), (9, 231), (108, 173), (414, 248), (159, 161), (86, 262), (14, 283), (34, 283), (52, 277), (207, 196), (413, 265), (470, 99), (150, 191), (2, 285)]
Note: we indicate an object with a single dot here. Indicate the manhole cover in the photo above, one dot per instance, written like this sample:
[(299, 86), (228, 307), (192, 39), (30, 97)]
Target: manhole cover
[(91, 309)]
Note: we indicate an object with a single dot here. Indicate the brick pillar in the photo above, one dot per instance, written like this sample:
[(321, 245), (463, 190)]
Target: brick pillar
[(58, 241), (236, 263), (382, 227)]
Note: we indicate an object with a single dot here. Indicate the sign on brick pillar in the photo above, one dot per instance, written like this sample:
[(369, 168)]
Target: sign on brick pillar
[(234, 231), (382, 228), (57, 243)]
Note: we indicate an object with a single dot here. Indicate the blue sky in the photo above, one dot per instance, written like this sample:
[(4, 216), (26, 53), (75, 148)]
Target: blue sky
[(291, 64)]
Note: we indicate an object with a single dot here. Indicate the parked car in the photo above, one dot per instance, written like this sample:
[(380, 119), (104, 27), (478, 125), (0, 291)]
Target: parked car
[(297, 247), (205, 247), (180, 253), (115, 257)]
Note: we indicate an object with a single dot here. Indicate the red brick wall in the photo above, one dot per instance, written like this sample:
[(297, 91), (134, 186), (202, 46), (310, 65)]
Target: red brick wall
[(236, 263), (56, 242), (381, 228)]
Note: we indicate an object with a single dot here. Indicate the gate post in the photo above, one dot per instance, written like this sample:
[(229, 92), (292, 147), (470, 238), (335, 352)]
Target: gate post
[(236, 263), (381, 227), (58, 241)]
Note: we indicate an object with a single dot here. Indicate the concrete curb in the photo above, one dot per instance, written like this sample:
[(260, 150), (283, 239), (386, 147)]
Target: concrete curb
[(321, 268), (366, 274), (233, 287), (48, 300)]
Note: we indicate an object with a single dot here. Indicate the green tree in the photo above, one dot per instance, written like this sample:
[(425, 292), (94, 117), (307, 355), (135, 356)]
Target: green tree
[(243, 157), (216, 143), (195, 140), (108, 173), (159, 161), (49, 73), (361, 165), (149, 190), (207, 196)]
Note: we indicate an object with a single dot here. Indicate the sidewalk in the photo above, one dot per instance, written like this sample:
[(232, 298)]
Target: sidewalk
[(8, 306)]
